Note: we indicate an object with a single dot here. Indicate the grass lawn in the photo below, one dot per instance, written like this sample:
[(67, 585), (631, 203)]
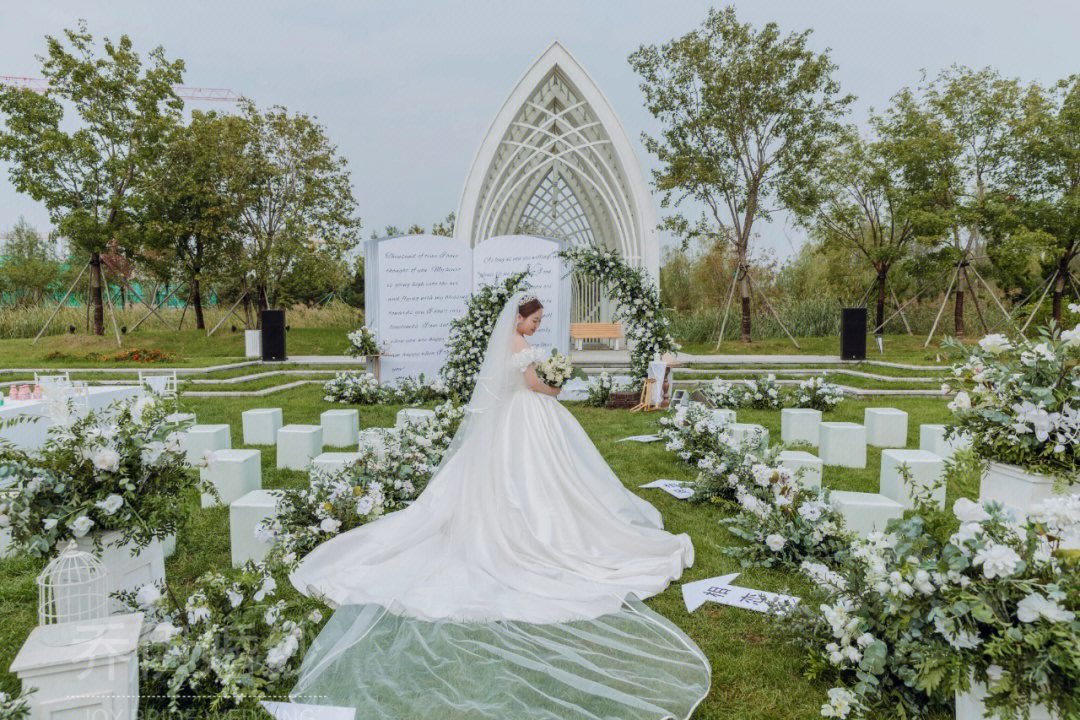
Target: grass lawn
[(754, 674), (898, 348)]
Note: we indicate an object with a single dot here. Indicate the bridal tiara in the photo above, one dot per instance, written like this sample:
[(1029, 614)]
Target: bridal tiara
[(527, 297)]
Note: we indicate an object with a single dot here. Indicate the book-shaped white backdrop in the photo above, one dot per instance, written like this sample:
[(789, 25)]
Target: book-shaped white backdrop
[(416, 285)]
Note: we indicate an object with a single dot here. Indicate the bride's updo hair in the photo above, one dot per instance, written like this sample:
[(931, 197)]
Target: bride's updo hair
[(528, 306)]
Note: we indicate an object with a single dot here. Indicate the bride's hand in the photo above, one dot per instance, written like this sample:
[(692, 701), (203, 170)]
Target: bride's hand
[(555, 391)]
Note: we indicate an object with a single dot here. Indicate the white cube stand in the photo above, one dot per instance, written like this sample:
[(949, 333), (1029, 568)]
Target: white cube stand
[(127, 571), (244, 515), (168, 546), (179, 417), (932, 439), (332, 462), (749, 433), (1015, 488), (805, 466), (6, 548), (298, 445), (722, 416), (926, 469), (341, 428), (261, 425), (971, 705), (886, 427), (842, 444), (234, 473), (202, 438), (95, 678), (865, 512), (800, 426), (410, 416)]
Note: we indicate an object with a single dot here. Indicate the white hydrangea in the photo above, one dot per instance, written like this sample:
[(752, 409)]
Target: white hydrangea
[(997, 560)]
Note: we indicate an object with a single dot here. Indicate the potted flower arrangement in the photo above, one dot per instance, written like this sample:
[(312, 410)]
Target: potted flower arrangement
[(817, 394), (1019, 404), (599, 390), (108, 480), (362, 342)]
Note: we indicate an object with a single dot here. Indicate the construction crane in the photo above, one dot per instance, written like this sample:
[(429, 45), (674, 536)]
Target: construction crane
[(182, 91)]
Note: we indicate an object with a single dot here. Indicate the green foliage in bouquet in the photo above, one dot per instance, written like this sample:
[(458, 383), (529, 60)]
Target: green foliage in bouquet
[(362, 342)]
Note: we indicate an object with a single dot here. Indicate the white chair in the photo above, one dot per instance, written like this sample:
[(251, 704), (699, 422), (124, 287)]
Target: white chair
[(61, 380), (161, 384)]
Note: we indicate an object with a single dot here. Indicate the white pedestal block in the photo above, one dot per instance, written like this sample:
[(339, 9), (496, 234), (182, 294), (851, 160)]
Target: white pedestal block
[(749, 433), (926, 469), (252, 343), (298, 445), (886, 427), (332, 462), (179, 417), (969, 706), (234, 473), (374, 438), (126, 571), (932, 439), (1015, 488), (413, 415), (261, 425), (800, 426), (805, 466), (341, 428), (202, 438), (842, 444), (722, 416), (168, 546), (865, 512), (244, 515), (6, 548), (96, 678)]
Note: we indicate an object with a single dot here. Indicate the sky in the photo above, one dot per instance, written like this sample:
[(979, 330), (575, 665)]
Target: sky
[(406, 89)]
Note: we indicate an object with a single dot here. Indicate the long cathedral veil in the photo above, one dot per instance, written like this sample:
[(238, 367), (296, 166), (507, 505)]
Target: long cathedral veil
[(632, 664)]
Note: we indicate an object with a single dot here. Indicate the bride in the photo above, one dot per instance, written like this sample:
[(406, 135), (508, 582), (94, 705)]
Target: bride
[(525, 560)]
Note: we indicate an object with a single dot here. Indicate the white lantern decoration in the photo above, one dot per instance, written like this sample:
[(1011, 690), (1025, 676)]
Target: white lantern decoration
[(72, 588)]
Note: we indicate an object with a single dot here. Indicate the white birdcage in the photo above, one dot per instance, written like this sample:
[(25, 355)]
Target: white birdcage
[(73, 588)]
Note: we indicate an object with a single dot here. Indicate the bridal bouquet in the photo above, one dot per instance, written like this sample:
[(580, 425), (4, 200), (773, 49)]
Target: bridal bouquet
[(557, 369)]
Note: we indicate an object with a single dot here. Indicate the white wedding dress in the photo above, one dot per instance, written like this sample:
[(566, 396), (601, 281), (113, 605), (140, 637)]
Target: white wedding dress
[(523, 564)]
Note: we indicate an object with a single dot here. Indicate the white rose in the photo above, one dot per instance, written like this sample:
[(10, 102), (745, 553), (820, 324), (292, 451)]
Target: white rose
[(162, 632), (329, 525), (81, 525), (997, 560), (967, 511), (1034, 606), (147, 595), (110, 504), (1072, 337), (776, 542), (106, 460), (961, 402), (995, 343)]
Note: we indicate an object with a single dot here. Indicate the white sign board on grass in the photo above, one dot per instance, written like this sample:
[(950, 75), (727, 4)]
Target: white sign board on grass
[(415, 286)]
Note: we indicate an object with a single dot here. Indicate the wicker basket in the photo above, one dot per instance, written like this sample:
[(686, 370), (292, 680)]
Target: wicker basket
[(623, 400)]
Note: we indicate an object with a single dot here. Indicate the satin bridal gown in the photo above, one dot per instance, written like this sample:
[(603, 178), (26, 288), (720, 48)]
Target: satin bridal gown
[(512, 586)]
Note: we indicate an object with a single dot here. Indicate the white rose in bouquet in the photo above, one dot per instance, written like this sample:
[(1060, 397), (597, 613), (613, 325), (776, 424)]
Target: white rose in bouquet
[(557, 369)]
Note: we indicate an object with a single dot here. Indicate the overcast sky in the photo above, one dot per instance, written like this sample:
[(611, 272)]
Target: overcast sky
[(407, 89)]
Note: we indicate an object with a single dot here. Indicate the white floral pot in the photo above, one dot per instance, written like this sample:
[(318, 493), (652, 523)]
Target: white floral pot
[(1015, 488), (969, 706), (127, 571)]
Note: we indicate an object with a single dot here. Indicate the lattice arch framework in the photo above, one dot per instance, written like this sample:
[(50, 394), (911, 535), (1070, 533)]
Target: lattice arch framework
[(557, 162)]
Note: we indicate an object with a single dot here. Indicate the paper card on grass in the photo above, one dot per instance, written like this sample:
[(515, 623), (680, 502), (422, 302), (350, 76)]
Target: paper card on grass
[(694, 593), (301, 711), (757, 600), (676, 488), (640, 438)]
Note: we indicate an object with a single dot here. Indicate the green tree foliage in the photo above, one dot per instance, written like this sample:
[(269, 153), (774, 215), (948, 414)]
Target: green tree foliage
[(80, 146), (29, 265), (746, 114)]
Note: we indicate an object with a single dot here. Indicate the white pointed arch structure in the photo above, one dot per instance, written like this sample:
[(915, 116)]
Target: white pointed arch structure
[(557, 162)]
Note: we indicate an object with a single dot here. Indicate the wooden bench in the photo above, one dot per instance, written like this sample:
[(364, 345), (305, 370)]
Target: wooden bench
[(579, 332)]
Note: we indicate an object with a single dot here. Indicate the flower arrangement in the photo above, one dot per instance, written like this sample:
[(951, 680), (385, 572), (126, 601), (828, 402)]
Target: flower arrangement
[(231, 642), (913, 615), (816, 394), (98, 474), (469, 335), (762, 394), (637, 301), (723, 394), (557, 369), (1019, 400), (695, 435), (362, 342), (375, 484), (599, 390), (352, 388)]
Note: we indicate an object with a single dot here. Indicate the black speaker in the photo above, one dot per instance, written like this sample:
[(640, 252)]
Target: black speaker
[(273, 334), (852, 334)]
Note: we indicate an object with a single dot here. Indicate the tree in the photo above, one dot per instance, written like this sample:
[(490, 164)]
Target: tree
[(189, 215), (30, 266), (294, 193), (857, 203), (1044, 195), (746, 114), (956, 145), (84, 172)]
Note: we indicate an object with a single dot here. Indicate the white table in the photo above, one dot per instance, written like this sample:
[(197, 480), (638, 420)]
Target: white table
[(31, 435)]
